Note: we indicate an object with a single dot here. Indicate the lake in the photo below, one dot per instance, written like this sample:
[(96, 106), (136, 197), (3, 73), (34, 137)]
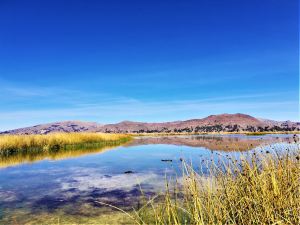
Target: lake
[(74, 184)]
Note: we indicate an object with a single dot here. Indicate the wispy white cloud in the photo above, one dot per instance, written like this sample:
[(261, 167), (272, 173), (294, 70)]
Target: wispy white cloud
[(131, 109), (13, 90), (56, 104), (21, 94)]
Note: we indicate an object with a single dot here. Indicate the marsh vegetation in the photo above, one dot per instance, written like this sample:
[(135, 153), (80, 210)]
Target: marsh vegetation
[(261, 189), (20, 144), (153, 180)]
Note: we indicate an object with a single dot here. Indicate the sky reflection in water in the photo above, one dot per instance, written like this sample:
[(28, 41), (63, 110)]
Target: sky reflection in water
[(48, 184)]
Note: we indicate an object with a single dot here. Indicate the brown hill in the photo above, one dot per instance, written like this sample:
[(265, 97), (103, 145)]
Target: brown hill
[(214, 123), (65, 126)]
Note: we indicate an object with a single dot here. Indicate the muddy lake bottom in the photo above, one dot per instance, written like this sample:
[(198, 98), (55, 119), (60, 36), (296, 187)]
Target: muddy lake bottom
[(69, 188)]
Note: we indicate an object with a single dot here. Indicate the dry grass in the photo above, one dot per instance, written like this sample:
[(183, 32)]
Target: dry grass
[(263, 189), (10, 144)]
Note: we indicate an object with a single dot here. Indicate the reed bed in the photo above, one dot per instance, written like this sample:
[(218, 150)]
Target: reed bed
[(262, 189), (13, 144)]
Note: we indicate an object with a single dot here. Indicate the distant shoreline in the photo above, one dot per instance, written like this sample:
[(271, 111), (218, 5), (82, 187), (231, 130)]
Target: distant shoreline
[(134, 134), (222, 123), (214, 133)]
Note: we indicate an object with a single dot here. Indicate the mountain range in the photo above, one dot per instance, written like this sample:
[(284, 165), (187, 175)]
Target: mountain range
[(215, 123)]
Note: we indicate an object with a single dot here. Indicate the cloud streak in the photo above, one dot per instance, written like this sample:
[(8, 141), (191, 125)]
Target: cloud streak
[(35, 104), (131, 109)]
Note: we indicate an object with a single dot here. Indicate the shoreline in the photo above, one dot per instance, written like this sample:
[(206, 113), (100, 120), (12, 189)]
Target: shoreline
[(212, 133)]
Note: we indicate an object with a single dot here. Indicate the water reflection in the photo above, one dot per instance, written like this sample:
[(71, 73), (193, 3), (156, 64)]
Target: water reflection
[(70, 184), (211, 142), (31, 157), (215, 142)]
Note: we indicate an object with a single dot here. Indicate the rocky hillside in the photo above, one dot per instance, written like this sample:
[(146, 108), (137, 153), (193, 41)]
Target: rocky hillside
[(65, 126), (214, 123)]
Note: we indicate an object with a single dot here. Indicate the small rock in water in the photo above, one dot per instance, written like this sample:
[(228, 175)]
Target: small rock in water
[(128, 172), (107, 176), (166, 160)]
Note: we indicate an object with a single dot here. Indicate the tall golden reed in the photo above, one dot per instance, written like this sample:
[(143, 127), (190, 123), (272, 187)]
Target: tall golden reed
[(55, 141), (262, 189)]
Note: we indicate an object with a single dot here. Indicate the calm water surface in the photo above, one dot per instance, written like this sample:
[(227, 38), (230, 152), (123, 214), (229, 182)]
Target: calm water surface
[(72, 183)]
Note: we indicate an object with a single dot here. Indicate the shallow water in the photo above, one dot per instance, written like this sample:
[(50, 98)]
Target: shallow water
[(73, 183)]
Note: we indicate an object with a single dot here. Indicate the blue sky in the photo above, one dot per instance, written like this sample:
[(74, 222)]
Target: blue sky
[(109, 61)]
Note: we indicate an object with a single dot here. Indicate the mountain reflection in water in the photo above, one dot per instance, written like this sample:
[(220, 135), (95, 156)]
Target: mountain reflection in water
[(39, 188), (211, 142), (215, 142)]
